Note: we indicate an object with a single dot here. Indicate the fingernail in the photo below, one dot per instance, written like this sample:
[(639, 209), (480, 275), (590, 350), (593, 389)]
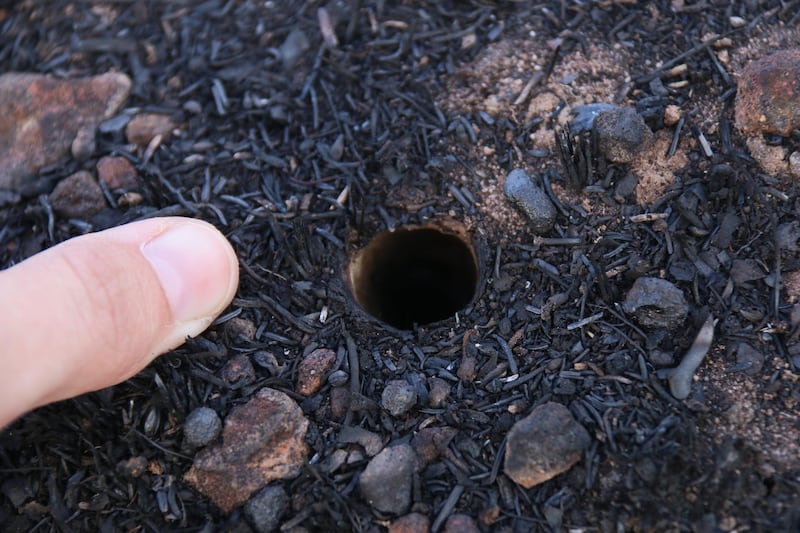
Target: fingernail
[(197, 269)]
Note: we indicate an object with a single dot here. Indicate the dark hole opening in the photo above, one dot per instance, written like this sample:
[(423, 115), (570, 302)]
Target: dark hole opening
[(414, 276)]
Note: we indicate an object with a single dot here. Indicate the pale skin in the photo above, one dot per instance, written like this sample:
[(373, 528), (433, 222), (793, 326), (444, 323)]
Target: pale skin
[(95, 310)]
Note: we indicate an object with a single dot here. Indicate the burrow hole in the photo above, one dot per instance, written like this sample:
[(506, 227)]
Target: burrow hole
[(414, 276)]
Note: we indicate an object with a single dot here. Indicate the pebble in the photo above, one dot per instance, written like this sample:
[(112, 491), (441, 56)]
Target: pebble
[(43, 115), (544, 444), (398, 397), (238, 371), (78, 196), (143, 127), (411, 523), (201, 427), (312, 369), (750, 360), (388, 478), (266, 507), (117, 173), (656, 303), (585, 116), (338, 378), (768, 94), (794, 164), (340, 401), (439, 392), (263, 440), (371, 442), (429, 443), (241, 328), (531, 200), (460, 523), (621, 134)]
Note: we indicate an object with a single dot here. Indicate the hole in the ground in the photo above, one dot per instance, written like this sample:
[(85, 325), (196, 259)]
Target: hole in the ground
[(414, 275)]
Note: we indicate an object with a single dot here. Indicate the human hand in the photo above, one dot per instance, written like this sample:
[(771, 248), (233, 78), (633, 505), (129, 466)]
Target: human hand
[(94, 310)]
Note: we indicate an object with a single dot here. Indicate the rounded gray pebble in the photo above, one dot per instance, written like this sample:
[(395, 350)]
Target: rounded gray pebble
[(531, 200), (201, 427), (656, 303), (264, 510)]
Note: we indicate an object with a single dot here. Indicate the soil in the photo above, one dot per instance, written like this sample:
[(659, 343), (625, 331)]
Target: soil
[(408, 113)]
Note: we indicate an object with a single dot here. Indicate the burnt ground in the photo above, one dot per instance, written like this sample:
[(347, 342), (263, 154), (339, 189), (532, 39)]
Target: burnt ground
[(416, 111)]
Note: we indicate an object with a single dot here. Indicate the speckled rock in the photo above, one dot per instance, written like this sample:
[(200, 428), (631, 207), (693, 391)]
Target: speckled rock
[(117, 173), (656, 303), (544, 444), (768, 94), (621, 134), (460, 523), (144, 127), (398, 397), (201, 427), (263, 440), (531, 200), (43, 116), (411, 523), (312, 370), (388, 478)]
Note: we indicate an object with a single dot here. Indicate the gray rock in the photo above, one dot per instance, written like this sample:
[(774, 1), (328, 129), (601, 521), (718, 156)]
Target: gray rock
[(201, 427), (621, 134), (656, 303), (585, 116), (544, 444), (531, 200), (265, 508), (388, 478), (440, 390), (398, 397)]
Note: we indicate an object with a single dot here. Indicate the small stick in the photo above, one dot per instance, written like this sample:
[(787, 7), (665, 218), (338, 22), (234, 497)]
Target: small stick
[(680, 377)]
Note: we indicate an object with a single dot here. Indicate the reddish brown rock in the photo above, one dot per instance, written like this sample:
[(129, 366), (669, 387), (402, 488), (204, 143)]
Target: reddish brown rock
[(411, 523), (340, 401), (768, 94), (544, 444), (144, 127), (43, 116), (78, 196), (263, 440), (238, 371), (312, 369), (117, 173), (460, 523)]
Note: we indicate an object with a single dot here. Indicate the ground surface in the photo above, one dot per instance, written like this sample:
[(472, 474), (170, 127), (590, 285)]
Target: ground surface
[(418, 111)]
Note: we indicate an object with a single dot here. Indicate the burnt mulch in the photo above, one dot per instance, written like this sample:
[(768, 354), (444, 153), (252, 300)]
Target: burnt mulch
[(307, 129)]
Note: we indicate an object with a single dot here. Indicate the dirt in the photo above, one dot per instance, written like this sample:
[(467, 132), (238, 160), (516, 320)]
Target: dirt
[(416, 112)]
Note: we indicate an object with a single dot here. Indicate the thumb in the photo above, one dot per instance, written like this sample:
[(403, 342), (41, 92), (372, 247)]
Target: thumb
[(95, 310)]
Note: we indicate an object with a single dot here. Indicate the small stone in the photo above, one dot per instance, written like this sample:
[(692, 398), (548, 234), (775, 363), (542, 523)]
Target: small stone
[(748, 359), (672, 114), (531, 200), (266, 507), (388, 478), (201, 427), (768, 94), (129, 199), (429, 443), (338, 378), (439, 392), (133, 467), (460, 523), (794, 164), (293, 47), (340, 401), (144, 127), (117, 173), (240, 328), (263, 440), (656, 303), (398, 397), (371, 442), (42, 116), (78, 196), (238, 371), (411, 523), (84, 144), (622, 134), (312, 369), (544, 444)]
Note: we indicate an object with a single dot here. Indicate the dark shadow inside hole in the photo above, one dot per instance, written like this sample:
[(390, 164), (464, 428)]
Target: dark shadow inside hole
[(414, 276)]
